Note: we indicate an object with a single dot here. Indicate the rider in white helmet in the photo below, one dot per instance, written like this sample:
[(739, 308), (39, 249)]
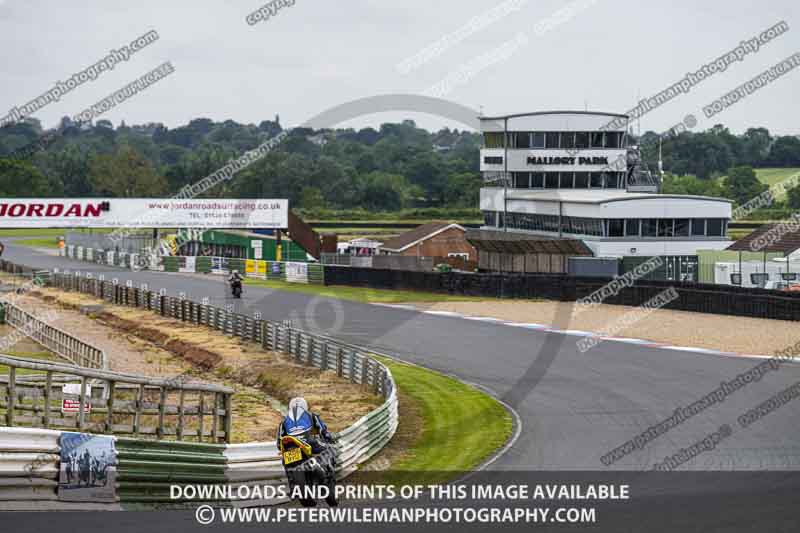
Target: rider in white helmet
[(301, 423)]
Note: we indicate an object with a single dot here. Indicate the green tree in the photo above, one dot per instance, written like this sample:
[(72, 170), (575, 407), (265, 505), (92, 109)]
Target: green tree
[(20, 178), (125, 174), (311, 198), (793, 197), (742, 184), (785, 152)]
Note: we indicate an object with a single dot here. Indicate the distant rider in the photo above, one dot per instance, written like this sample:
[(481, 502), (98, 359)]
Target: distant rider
[(302, 423), (234, 277)]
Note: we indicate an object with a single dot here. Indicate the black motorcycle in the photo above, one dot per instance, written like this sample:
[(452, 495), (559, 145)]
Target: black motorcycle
[(236, 288), (306, 469)]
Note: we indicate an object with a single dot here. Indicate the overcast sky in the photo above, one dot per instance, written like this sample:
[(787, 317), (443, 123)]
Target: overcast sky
[(315, 54)]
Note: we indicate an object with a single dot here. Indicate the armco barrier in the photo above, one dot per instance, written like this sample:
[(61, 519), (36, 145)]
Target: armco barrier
[(28, 464), (696, 297)]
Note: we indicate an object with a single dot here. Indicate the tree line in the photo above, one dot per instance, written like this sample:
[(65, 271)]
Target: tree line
[(396, 166)]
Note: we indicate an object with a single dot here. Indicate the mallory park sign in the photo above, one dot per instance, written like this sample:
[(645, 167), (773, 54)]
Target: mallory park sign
[(143, 213), (547, 160)]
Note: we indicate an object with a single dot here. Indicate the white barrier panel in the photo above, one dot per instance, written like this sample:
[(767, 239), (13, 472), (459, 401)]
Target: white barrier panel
[(15, 464), (29, 440)]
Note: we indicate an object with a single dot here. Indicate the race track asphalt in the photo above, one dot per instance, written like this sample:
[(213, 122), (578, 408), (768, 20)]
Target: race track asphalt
[(574, 407)]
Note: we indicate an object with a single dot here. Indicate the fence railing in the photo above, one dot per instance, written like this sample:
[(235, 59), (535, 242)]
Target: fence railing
[(109, 402), (54, 339)]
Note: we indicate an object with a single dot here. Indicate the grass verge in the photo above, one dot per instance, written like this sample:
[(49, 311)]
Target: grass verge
[(460, 426), (364, 294), (38, 243)]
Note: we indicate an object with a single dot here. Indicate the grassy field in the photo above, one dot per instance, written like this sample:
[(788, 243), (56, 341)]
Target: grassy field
[(461, 426), (41, 242), (771, 176), (363, 294)]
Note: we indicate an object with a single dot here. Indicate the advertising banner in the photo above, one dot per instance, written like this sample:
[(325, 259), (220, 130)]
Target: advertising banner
[(142, 213)]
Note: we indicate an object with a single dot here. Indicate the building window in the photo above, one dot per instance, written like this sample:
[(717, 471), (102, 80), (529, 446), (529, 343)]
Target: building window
[(551, 180), (522, 180), (537, 180), (682, 227), (650, 227), (596, 180), (665, 227), (581, 180), (489, 218), (698, 226), (567, 139), (538, 139), (616, 227), (523, 140), (551, 140), (463, 256), (493, 160), (632, 227), (596, 140), (581, 139), (715, 227), (613, 139), (566, 180), (493, 140)]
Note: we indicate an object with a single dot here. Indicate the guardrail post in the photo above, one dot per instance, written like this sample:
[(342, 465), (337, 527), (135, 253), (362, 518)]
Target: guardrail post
[(340, 362), (214, 417), (11, 391), (180, 415), (47, 386), (375, 375), (228, 417), (364, 369), (82, 407), (137, 417), (162, 407), (110, 407), (200, 413), (324, 356), (310, 351)]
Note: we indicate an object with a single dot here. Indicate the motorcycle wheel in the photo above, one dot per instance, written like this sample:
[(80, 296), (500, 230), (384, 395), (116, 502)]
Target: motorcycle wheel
[(332, 500)]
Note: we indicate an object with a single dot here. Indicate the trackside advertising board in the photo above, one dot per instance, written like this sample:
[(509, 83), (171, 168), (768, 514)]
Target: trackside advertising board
[(143, 213)]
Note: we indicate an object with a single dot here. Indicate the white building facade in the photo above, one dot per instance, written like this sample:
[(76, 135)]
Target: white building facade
[(572, 174)]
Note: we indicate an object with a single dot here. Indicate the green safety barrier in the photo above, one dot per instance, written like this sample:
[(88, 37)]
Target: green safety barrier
[(203, 265), (146, 469)]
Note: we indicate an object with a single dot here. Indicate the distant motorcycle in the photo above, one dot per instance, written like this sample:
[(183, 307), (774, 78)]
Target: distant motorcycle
[(236, 288)]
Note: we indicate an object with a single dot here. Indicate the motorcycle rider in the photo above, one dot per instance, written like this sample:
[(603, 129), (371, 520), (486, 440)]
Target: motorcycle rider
[(301, 423), (235, 278)]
